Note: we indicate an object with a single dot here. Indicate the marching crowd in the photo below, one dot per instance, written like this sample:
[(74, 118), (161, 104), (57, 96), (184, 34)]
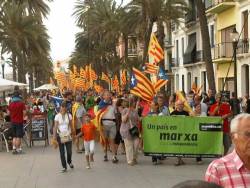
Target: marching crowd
[(73, 117)]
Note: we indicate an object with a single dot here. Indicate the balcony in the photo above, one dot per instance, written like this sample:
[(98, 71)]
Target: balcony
[(168, 43), (175, 62), (222, 52), (243, 46), (132, 52), (190, 18), (218, 6), (194, 57)]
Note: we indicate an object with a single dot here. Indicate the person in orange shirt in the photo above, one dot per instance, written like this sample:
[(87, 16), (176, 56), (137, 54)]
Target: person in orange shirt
[(88, 131)]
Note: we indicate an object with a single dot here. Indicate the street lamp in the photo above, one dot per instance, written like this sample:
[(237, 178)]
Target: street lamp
[(235, 38), (3, 65)]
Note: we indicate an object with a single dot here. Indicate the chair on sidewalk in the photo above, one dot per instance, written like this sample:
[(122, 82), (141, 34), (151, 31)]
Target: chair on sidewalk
[(4, 132)]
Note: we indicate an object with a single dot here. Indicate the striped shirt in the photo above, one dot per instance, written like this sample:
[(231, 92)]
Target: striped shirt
[(229, 172)]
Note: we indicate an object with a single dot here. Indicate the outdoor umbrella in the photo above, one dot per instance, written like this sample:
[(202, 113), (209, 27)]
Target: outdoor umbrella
[(6, 85), (46, 87)]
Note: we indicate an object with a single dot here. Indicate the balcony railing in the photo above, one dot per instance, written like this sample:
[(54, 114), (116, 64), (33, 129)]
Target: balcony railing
[(194, 57), (222, 50), (218, 6), (243, 46), (132, 52), (168, 43), (175, 62)]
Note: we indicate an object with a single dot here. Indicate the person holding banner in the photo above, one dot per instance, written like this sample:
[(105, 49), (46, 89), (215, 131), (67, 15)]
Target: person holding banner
[(222, 109), (233, 170), (179, 110), (130, 120)]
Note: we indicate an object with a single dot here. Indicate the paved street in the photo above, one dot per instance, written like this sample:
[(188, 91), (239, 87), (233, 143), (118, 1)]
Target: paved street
[(39, 167)]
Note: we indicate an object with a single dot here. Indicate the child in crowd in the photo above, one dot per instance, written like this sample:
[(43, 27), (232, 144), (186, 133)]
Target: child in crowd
[(88, 133)]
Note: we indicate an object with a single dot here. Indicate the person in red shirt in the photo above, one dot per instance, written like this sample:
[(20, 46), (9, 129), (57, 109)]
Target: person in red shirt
[(88, 131), (17, 111), (223, 110)]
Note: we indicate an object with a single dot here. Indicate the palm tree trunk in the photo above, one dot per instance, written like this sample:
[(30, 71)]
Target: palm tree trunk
[(206, 44), (147, 39), (125, 48), (14, 66), (20, 70)]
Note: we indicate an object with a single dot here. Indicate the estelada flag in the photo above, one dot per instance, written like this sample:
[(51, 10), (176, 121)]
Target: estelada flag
[(139, 90), (155, 49), (105, 77), (162, 80), (143, 82)]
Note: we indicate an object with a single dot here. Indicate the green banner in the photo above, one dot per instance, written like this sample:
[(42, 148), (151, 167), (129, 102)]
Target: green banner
[(183, 136)]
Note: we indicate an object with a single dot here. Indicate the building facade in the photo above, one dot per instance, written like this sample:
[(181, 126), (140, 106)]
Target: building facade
[(183, 47)]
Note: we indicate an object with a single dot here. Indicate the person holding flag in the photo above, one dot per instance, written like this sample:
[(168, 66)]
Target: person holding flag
[(109, 124)]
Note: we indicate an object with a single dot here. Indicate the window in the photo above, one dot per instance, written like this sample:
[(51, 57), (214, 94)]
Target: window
[(177, 82), (212, 35), (189, 81), (177, 52), (245, 24), (182, 83), (182, 45)]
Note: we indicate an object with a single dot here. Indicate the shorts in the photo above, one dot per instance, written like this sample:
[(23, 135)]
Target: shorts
[(89, 147), (78, 131), (118, 138), (109, 131), (17, 130)]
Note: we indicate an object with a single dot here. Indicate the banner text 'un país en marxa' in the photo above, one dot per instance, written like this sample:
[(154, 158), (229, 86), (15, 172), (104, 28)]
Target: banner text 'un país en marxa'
[(183, 136)]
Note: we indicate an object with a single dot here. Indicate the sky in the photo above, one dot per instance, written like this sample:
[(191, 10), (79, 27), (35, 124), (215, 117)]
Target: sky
[(62, 29)]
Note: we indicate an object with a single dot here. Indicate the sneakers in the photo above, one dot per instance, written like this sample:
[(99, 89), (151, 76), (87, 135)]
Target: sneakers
[(105, 158), (14, 152), (115, 160), (88, 167), (71, 165), (64, 170)]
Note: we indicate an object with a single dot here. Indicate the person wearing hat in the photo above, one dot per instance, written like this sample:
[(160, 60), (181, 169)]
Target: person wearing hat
[(78, 111), (223, 110)]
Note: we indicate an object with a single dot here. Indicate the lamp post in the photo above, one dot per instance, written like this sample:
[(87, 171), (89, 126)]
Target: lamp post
[(235, 38), (3, 66)]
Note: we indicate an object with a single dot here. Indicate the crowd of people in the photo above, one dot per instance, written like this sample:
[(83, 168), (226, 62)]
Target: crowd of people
[(70, 120)]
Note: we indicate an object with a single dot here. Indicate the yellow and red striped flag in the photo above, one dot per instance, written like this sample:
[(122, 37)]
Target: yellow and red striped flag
[(155, 49), (92, 74), (144, 81), (151, 68), (82, 73), (124, 78), (115, 83), (105, 77), (87, 72)]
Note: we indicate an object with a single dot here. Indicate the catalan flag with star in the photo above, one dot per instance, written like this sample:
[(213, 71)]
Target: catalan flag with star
[(162, 80)]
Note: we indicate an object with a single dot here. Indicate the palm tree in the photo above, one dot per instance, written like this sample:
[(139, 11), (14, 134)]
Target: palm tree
[(24, 36), (206, 44), (144, 13)]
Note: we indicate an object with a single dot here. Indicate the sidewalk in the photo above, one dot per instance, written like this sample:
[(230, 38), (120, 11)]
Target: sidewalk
[(40, 167)]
